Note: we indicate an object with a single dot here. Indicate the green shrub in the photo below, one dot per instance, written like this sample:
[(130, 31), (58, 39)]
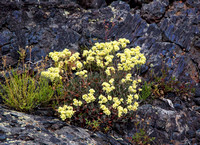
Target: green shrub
[(146, 91), (24, 93)]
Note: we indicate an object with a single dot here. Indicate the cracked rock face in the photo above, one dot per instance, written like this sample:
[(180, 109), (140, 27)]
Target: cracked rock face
[(167, 31), (169, 124), (21, 128), (158, 27)]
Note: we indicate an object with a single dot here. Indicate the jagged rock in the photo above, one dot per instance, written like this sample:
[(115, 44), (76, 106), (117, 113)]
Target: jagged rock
[(194, 3), (95, 4), (19, 128), (197, 101), (53, 26), (154, 11), (197, 91), (168, 34), (168, 125), (198, 134)]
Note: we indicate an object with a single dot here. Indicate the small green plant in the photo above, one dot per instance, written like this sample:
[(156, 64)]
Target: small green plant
[(24, 93), (161, 86), (94, 125), (140, 137), (20, 90), (146, 91)]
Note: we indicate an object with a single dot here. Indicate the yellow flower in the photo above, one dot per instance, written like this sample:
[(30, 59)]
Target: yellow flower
[(107, 112), (129, 101), (79, 65), (109, 97), (103, 107), (136, 96), (101, 97), (66, 112), (114, 105), (92, 91), (136, 104), (73, 68), (125, 111), (107, 71), (104, 100), (72, 58), (123, 80), (76, 102), (111, 81)]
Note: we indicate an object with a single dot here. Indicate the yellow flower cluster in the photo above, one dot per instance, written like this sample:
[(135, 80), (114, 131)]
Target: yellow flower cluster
[(74, 57), (105, 109), (130, 98), (90, 96), (132, 88), (79, 65), (66, 112), (56, 56), (108, 87), (130, 58), (109, 70), (106, 57), (77, 103), (82, 74), (103, 99), (101, 53), (121, 110), (127, 78), (52, 73), (65, 61), (117, 102), (133, 107)]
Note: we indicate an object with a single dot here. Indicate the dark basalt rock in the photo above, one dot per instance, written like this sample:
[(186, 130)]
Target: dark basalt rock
[(197, 91), (168, 33), (132, 3), (154, 11), (95, 4), (33, 129), (168, 124), (194, 3), (197, 101)]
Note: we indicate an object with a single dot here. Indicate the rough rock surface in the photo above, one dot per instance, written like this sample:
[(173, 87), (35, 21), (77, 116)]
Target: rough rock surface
[(174, 125), (167, 31), (55, 25), (21, 128)]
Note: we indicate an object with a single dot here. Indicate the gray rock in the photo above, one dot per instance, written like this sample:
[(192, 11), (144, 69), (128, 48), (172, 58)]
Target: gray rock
[(198, 134), (165, 124), (153, 11), (197, 101), (33, 129), (194, 3), (95, 4), (2, 137), (197, 91)]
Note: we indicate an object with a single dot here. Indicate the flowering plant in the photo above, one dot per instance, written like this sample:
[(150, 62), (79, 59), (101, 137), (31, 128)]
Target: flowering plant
[(107, 93)]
